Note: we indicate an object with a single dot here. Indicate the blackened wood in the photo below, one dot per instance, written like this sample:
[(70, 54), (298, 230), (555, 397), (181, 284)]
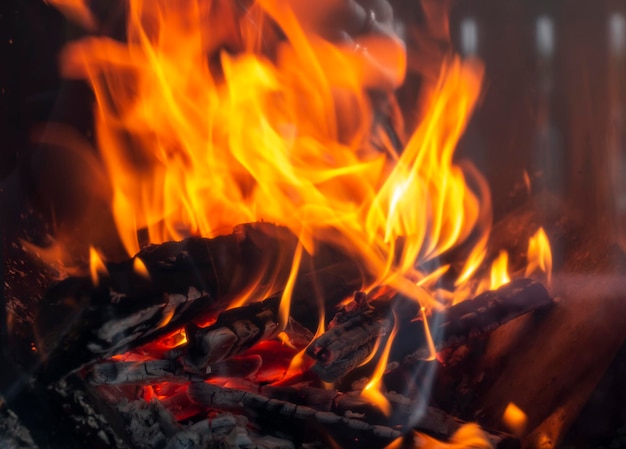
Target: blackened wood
[(311, 402), (234, 331), (157, 371), (433, 420), (480, 315), (351, 340), (193, 279), (287, 417)]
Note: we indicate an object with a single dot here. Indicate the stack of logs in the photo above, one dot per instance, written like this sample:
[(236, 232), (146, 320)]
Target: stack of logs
[(216, 393)]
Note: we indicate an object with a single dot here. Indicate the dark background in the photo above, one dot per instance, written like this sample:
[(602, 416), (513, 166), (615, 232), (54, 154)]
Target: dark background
[(553, 106)]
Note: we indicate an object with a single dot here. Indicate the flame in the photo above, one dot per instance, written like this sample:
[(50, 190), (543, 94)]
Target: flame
[(539, 255), (466, 436), (97, 267), (372, 391), (499, 270), (282, 128), (140, 268), (76, 10), (190, 152), (429, 338), (515, 419), (285, 299)]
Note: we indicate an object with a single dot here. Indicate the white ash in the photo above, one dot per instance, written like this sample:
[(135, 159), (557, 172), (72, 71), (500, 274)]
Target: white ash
[(149, 424), (13, 435)]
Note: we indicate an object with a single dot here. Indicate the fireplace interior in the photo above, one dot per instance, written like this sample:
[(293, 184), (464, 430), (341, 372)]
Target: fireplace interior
[(255, 332)]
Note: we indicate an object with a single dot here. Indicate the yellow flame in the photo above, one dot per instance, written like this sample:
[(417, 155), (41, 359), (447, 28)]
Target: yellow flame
[(499, 270), (466, 436), (429, 338), (189, 152), (372, 391), (539, 254), (285, 300), (140, 268), (97, 267), (515, 419)]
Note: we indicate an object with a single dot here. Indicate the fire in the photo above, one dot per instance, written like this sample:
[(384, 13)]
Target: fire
[(467, 436), (539, 254), (515, 419), (372, 391), (97, 267), (499, 270), (196, 140), (192, 152), (140, 268)]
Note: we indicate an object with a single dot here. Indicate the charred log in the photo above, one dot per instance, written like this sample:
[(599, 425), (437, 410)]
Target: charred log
[(479, 316), (330, 408), (351, 340), (197, 278), (292, 418)]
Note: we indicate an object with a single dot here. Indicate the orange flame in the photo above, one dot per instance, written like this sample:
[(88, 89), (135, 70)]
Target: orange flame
[(372, 391), (190, 152), (499, 270), (539, 254), (515, 419), (466, 436), (140, 268), (97, 267)]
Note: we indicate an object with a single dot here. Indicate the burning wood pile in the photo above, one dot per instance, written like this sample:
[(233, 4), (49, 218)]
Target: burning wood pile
[(246, 376), (362, 260)]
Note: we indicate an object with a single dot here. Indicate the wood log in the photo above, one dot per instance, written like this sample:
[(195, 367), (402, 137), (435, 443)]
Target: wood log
[(547, 364), (235, 331), (346, 345), (300, 403), (289, 417), (79, 322), (157, 371)]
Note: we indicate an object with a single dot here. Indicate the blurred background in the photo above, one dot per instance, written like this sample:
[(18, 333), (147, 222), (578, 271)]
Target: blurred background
[(552, 111)]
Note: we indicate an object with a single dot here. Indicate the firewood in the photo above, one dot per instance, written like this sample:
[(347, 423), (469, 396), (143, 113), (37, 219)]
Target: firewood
[(346, 345), (235, 331), (289, 416), (483, 314), (157, 371), (197, 278), (333, 407)]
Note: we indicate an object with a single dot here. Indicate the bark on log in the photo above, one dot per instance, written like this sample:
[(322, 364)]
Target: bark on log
[(334, 407), (79, 322), (346, 345), (291, 417)]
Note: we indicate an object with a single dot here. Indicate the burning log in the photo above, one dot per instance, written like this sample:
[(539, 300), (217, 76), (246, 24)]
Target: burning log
[(155, 371), (80, 321), (346, 345), (235, 331), (484, 314), (290, 414), (331, 408)]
